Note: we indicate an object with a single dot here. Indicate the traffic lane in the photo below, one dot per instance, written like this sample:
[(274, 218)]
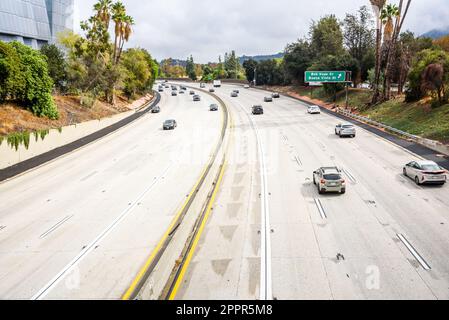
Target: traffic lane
[(303, 168), (133, 240), (414, 207), (226, 264), (21, 238)]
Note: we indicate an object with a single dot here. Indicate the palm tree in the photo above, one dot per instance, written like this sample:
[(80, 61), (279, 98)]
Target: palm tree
[(124, 34), (118, 16), (388, 14), (103, 9), (378, 5)]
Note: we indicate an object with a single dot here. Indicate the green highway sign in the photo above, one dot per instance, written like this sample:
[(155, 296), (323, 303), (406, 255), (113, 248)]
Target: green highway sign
[(325, 76)]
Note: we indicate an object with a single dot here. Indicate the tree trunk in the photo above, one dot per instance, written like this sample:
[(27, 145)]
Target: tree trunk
[(377, 73)]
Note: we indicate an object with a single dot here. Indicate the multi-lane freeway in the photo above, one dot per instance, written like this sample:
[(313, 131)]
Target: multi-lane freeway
[(83, 226)]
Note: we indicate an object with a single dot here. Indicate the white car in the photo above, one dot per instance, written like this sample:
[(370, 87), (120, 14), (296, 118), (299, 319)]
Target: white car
[(425, 172), (314, 110), (246, 86), (345, 130)]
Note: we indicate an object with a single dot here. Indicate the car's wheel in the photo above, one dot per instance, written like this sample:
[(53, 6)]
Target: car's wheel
[(353, 136), (336, 133), (320, 191), (417, 181), (404, 172), (314, 181)]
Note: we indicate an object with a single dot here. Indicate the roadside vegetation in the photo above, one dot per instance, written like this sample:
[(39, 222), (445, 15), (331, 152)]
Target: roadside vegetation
[(398, 79), (83, 77)]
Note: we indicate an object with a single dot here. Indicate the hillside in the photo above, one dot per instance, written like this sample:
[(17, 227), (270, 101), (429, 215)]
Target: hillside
[(417, 118), (259, 58), (14, 119)]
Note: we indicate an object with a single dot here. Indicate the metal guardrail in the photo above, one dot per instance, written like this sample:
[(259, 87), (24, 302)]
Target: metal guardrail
[(378, 124)]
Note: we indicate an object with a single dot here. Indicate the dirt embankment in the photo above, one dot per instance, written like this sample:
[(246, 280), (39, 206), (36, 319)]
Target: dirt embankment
[(13, 118)]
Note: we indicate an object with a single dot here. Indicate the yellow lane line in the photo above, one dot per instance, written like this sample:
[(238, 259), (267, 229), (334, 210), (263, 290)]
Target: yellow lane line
[(197, 237)]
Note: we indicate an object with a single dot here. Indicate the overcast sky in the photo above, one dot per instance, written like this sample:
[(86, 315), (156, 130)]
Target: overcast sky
[(208, 28)]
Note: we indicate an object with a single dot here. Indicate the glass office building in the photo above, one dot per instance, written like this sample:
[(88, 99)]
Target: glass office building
[(34, 22)]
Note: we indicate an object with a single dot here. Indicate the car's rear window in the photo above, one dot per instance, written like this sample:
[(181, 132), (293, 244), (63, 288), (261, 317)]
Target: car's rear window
[(431, 167), (332, 177), (348, 127)]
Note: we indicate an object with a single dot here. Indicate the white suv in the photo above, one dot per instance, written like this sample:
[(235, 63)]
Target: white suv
[(329, 179), (345, 130), (314, 110)]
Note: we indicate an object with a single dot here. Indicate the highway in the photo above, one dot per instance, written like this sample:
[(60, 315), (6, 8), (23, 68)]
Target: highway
[(385, 239), (83, 226)]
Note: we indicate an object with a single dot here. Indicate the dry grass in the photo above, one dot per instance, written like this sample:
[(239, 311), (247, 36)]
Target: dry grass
[(13, 118)]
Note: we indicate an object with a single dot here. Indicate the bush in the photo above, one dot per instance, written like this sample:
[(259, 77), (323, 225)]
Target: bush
[(24, 73)]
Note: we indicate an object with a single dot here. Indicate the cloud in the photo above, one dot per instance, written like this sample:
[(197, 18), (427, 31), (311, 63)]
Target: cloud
[(208, 28)]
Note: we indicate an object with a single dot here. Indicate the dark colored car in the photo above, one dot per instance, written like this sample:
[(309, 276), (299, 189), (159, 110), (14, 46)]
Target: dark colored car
[(184, 88), (169, 125), (181, 92), (212, 90), (196, 98), (161, 89), (276, 95), (213, 107), (257, 110), (174, 93), (192, 92), (156, 109), (268, 99)]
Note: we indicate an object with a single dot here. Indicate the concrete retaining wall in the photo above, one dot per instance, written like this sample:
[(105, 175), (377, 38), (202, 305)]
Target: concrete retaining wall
[(55, 139)]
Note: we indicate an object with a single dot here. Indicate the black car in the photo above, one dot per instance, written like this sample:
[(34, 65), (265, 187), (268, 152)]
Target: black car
[(212, 90), (169, 125), (257, 110), (268, 99), (174, 93), (196, 98), (192, 93), (213, 107), (161, 90), (184, 88), (156, 109)]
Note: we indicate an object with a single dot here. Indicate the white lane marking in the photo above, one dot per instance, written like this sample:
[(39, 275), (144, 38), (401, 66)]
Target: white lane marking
[(320, 208), (56, 226), (415, 253), (349, 175), (53, 282), (266, 291)]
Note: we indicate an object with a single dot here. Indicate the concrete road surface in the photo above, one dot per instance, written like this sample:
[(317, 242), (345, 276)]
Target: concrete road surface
[(272, 236), (82, 226)]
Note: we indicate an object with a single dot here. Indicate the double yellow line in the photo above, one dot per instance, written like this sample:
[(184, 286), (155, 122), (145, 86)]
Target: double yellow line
[(136, 284)]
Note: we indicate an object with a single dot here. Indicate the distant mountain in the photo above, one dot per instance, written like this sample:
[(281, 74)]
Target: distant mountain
[(175, 62), (279, 55), (437, 33)]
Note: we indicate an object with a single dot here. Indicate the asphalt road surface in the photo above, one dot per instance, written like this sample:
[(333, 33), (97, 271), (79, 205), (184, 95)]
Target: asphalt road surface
[(272, 236), (81, 227)]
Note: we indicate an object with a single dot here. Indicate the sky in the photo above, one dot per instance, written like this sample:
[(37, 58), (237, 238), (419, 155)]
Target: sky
[(209, 28)]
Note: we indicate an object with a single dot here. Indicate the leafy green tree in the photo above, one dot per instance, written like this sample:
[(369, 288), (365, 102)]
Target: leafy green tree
[(57, 65), (326, 36), (232, 65), (190, 69), (141, 72), (30, 84), (358, 37), (270, 72), (250, 67), (298, 58), (424, 59), (12, 81)]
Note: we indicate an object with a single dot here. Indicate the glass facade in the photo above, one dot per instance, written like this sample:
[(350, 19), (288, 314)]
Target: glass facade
[(34, 22)]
